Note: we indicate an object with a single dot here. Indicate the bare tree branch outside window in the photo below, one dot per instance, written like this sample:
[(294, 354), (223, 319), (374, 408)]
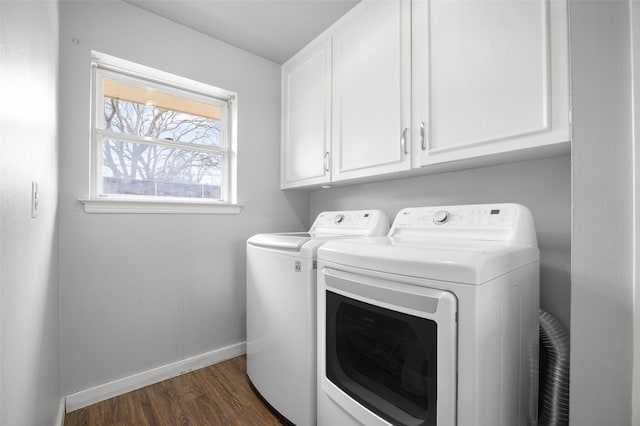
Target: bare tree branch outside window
[(150, 169)]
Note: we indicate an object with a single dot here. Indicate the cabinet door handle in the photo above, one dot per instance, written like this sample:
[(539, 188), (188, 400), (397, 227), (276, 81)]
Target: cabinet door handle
[(403, 141), (423, 139), (326, 161)]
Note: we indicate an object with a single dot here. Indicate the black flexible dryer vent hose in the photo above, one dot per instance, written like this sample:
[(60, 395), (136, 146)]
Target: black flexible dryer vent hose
[(555, 391)]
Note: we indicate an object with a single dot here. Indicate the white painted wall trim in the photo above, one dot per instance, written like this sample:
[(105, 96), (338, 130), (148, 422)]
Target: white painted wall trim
[(162, 207), (61, 412), (136, 381)]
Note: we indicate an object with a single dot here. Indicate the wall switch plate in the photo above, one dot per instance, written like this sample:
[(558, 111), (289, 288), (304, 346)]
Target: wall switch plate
[(34, 200)]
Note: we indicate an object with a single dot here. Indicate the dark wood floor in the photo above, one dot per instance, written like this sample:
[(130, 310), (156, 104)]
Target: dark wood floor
[(215, 395)]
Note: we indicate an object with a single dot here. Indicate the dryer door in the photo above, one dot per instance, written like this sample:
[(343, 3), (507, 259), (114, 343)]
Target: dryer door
[(391, 348)]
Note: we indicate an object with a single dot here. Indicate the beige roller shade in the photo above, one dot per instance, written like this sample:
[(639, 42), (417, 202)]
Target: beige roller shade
[(115, 90)]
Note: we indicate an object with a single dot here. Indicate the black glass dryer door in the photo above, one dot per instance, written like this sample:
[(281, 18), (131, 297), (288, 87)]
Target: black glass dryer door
[(384, 359)]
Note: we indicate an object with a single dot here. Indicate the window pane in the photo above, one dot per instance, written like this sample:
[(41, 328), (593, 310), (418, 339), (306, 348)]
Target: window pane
[(142, 169), (142, 112)]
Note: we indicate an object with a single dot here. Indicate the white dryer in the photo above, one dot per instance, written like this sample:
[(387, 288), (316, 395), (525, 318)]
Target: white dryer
[(435, 324), (281, 308)]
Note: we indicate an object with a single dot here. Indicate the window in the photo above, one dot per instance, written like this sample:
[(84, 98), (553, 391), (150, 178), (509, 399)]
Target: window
[(160, 143)]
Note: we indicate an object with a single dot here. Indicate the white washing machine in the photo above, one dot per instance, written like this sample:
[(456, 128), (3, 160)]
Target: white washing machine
[(281, 309), (435, 324)]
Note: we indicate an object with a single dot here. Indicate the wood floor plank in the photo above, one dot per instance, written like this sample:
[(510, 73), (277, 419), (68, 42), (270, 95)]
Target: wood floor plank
[(216, 395), (167, 403), (109, 411), (239, 395)]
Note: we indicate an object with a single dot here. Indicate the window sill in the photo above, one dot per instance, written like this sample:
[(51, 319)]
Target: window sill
[(163, 207)]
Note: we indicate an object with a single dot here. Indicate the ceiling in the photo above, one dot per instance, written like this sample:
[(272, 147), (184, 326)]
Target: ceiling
[(273, 29)]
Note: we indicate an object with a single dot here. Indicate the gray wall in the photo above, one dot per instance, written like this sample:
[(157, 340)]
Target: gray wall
[(29, 349), (140, 291), (602, 265), (544, 186)]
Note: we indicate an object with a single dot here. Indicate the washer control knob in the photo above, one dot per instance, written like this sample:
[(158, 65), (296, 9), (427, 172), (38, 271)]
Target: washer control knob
[(441, 217), (338, 219)]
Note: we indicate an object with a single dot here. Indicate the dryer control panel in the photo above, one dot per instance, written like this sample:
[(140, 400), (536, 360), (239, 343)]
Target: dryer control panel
[(495, 222), (460, 217)]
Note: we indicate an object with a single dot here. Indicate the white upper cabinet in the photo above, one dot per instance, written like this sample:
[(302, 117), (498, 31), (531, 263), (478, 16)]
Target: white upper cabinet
[(371, 90), (306, 117), (490, 77), (417, 86)]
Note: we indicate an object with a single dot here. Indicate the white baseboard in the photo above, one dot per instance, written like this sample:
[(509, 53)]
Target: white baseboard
[(61, 410), (136, 381)]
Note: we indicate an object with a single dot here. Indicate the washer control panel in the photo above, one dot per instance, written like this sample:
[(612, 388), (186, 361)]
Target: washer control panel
[(344, 219), (351, 222)]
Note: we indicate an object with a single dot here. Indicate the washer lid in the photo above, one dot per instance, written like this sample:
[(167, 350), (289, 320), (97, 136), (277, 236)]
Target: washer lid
[(327, 226), (292, 241), (458, 261)]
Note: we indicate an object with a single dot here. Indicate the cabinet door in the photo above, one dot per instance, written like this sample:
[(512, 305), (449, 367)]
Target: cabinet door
[(490, 77), (371, 92), (306, 117)]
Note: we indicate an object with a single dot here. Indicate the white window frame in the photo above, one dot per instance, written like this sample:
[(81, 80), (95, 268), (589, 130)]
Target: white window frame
[(108, 67)]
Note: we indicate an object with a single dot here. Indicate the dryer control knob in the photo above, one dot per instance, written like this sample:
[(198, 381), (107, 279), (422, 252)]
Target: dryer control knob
[(441, 217), (339, 218)]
